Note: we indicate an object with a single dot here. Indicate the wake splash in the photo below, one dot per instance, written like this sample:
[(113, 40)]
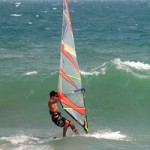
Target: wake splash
[(109, 135)]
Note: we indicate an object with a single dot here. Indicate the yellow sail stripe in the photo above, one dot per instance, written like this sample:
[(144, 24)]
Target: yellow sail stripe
[(69, 108), (69, 48), (74, 77), (66, 16)]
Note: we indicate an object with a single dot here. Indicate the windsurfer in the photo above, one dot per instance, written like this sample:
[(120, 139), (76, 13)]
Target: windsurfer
[(56, 115)]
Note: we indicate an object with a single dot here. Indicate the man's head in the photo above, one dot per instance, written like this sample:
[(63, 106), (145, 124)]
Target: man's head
[(53, 93)]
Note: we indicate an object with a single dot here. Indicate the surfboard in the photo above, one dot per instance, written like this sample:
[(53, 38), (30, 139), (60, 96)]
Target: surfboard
[(70, 90)]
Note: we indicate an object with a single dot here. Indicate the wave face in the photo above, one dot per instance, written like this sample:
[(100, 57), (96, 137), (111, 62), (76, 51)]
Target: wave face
[(116, 92), (117, 100), (120, 95)]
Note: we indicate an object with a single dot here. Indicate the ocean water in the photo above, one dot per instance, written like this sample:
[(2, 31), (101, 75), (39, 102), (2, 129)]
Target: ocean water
[(113, 49)]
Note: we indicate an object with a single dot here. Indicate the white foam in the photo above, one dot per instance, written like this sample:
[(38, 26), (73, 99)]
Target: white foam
[(46, 11), (136, 65), (96, 73), (31, 73), (29, 22), (109, 135), (53, 73), (21, 142), (20, 139), (18, 4), (16, 15), (54, 8)]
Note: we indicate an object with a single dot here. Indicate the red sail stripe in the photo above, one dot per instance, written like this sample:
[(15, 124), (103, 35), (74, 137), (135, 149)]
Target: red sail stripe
[(68, 10), (64, 75), (69, 57), (67, 102)]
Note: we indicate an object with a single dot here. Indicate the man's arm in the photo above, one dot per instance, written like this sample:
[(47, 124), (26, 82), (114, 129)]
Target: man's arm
[(52, 101)]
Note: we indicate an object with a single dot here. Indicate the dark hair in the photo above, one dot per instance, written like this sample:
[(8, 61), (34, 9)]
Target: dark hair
[(52, 93)]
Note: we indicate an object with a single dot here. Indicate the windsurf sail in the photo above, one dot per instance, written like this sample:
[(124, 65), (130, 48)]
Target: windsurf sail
[(70, 90)]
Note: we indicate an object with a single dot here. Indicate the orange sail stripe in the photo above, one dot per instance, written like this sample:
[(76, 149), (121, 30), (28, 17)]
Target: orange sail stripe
[(64, 75), (69, 57), (67, 102)]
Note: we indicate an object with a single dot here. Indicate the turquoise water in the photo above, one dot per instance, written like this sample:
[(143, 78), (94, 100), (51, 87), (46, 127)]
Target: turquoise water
[(113, 49)]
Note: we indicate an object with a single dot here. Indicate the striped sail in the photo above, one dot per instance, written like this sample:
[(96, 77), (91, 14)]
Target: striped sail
[(70, 88)]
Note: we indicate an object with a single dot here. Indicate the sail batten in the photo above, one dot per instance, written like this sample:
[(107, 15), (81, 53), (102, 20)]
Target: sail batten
[(70, 88)]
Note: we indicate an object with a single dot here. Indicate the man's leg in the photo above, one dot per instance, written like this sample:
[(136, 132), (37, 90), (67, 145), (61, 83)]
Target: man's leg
[(65, 128), (73, 128), (67, 124)]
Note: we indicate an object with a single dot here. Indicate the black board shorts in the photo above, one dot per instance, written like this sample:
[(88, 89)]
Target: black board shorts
[(58, 119)]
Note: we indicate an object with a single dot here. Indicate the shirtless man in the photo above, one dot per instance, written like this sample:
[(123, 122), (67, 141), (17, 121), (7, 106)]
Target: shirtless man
[(56, 115)]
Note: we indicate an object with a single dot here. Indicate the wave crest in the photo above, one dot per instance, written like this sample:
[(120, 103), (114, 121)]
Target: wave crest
[(136, 65), (138, 69)]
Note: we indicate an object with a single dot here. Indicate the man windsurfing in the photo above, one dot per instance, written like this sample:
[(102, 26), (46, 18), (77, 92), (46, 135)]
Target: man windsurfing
[(56, 115)]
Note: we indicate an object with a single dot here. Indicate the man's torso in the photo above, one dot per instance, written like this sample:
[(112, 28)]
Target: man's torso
[(52, 107)]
